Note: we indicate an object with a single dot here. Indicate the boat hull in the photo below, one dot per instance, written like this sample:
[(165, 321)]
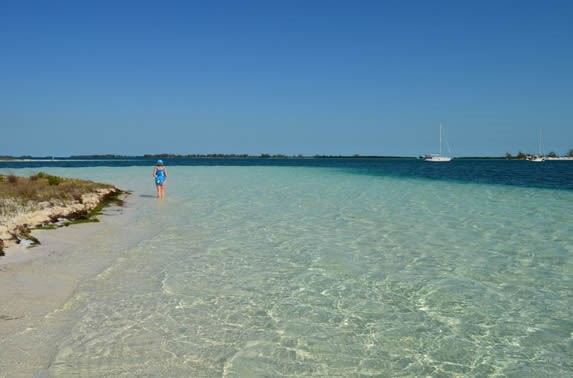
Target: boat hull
[(536, 159), (437, 159)]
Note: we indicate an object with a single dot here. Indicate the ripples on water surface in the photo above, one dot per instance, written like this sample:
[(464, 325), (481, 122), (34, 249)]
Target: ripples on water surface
[(300, 271)]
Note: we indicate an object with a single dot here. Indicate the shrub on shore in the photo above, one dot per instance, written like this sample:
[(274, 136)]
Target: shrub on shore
[(54, 180), (18, 191), (40, 191), (42, 187)]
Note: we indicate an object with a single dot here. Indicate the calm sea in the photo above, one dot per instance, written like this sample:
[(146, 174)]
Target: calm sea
[(322, 267)]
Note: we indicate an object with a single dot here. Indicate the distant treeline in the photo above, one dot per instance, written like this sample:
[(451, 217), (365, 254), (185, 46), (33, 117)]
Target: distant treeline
[(235, 156), (360, 157), (102, 156), (508, 155), (523, 155), (274, 156), (171, 156), (6, 157)]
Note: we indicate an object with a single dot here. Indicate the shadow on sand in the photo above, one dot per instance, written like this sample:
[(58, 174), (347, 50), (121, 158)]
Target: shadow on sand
[(147, 196)]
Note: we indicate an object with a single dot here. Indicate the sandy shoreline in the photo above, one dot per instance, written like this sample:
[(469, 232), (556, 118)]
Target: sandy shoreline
[(45, 213), (37, 282), (32, 282)]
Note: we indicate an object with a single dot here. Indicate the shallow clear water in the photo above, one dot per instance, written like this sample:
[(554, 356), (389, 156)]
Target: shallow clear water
[(300, 271)]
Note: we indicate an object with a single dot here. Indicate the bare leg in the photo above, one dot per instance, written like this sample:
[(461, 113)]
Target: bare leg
[(161, 190), (158, 187)]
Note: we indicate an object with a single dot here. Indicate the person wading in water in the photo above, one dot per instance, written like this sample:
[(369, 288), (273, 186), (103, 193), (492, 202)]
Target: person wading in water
[(160, 175)]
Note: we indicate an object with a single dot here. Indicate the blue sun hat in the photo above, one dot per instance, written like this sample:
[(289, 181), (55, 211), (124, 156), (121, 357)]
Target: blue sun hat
[(159, 162)]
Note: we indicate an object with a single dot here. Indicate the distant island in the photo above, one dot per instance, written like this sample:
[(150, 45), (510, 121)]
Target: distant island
[(237, 156), (508, 156), (551, 155), (261, 156)]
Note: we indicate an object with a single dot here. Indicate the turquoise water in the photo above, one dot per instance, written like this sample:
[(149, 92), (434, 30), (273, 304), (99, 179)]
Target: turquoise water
[(310, 271)]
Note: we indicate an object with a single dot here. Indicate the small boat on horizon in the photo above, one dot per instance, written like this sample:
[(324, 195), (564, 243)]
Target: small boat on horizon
[(539, 158), (437, 158), (536, 158)]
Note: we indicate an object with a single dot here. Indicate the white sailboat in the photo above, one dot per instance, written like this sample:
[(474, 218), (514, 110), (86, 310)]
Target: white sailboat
[(437, 158), (536, 159), (539, 158)]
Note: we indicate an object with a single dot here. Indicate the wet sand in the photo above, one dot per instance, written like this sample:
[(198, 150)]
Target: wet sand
[(38, 282)]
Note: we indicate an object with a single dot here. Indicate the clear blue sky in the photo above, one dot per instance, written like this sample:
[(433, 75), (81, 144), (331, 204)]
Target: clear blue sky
[(278, 76)]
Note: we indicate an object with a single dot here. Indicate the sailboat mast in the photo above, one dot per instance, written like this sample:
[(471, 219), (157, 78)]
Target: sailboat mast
[(438, 157), (440, 139)]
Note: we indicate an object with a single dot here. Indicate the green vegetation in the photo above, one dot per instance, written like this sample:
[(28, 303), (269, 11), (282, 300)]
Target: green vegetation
[(43, 187), (54, 180), (90, 216), (42, 190)]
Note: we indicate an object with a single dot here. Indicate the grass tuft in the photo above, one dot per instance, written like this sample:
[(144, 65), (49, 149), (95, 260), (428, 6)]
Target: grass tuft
[(42, 187), (41, 190), (17, 193), (54, 180)]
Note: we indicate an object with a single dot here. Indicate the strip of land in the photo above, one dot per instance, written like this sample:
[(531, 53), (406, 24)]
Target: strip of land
[(46, 201)]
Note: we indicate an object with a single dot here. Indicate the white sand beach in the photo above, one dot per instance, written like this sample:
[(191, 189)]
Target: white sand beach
[(36, 282)]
